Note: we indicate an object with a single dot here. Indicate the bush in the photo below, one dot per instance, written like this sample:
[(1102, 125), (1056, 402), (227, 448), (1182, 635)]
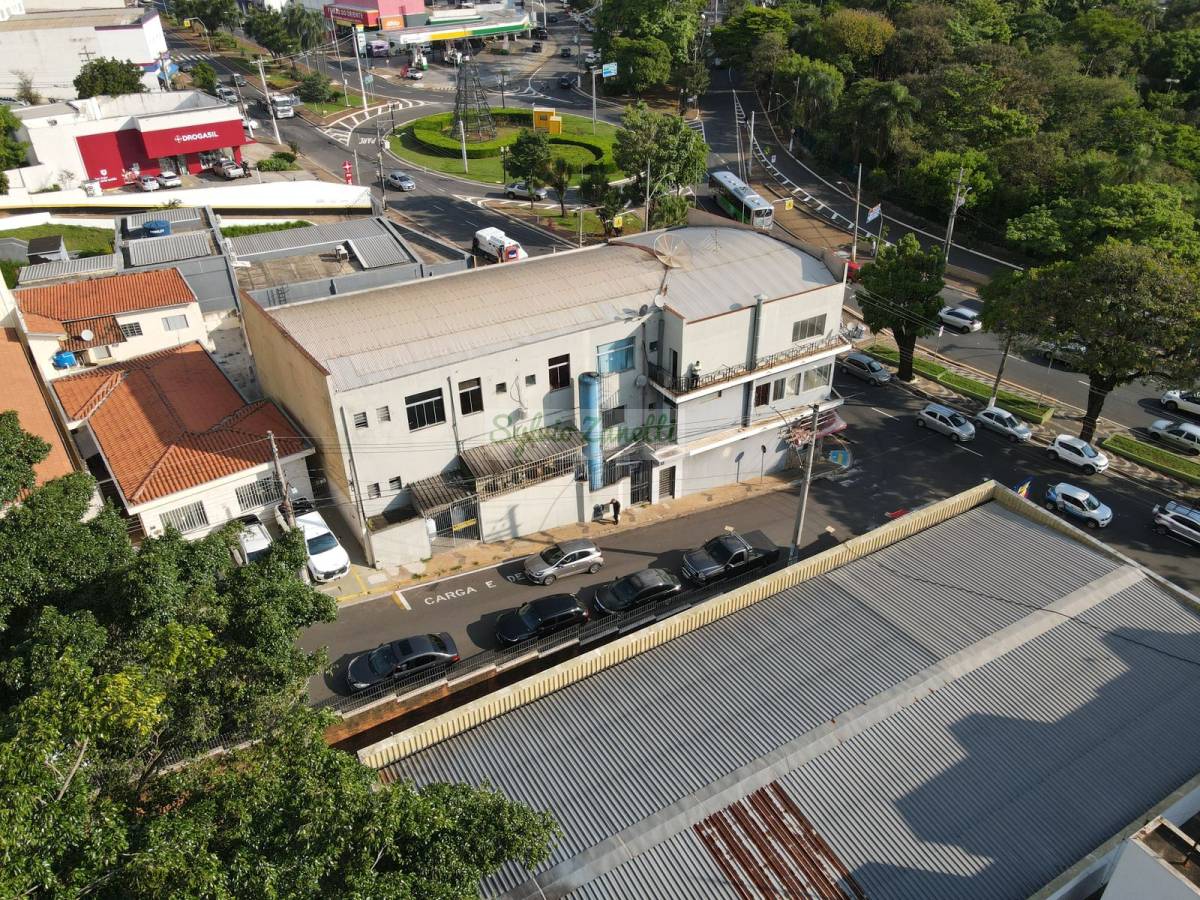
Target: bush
[(315, 88), (1154, 457), (891, 356), (284, 155)]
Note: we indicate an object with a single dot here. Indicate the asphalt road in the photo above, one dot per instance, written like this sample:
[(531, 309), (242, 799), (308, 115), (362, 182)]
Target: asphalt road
[(896, 466)]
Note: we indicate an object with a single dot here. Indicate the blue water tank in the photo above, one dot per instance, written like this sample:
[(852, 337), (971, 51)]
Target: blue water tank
[(156, 227), (589, 412), (64, 359)]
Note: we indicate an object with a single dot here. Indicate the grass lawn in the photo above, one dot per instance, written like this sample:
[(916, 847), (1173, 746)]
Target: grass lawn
[(79, 238), (242, 230), (1014, 403), (592, 227), (892, 356), (335, 106), (1154, 457)]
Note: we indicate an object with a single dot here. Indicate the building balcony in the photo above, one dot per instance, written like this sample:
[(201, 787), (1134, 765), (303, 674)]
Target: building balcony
[(690, 382)]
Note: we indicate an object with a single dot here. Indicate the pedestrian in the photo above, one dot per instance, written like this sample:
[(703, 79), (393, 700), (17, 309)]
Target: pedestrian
[(616, 505)]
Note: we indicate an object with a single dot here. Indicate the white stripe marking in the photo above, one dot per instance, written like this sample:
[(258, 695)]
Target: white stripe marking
[(882, 413)]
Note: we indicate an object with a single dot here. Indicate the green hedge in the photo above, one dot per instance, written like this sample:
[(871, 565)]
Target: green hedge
[(1154, 457), (891, 355), (429, 132), (1014, 403)]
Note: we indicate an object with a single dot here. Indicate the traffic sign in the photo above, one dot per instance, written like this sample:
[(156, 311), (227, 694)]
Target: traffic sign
[(368, 79), (348, 171), (609, 70), (789, 203), (618, 221)]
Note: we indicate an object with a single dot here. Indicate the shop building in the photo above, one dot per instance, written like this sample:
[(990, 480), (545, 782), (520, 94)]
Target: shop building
[(408, 23), (112, 140)]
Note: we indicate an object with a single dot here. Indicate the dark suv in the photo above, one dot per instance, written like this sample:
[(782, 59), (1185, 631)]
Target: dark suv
[(633, 590), (421, 653), (540, 617)]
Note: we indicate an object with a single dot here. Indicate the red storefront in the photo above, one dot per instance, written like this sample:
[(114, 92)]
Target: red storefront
[(116, 158)]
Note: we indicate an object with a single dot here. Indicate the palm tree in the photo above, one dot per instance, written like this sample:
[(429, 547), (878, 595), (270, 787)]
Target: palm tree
[(304, 24), (892, 108), (819, 87)]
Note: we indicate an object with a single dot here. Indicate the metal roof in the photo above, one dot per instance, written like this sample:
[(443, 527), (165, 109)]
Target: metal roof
[(432, 495), (170, 248), (67, 268), (380, 250), (175, 215), (307, 237), (522, 449), (1024, 757), (499, 307)]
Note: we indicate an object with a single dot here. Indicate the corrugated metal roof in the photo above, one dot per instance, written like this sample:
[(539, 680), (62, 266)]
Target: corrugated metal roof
[(499, 307), (67, 268), (310, 236), (521, 450), (178, 216), (380, 250), (988, 786), (170, 248), (432, 495)]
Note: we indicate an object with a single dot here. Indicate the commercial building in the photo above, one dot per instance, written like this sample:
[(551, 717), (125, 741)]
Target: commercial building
[(177, 444), (408, 23), (51, 45), (670, 363), (111, 140), (975, 700)]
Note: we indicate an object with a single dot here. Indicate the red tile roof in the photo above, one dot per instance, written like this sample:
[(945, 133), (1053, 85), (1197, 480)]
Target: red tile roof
[(23, 392), (171, 420), (104, 329)]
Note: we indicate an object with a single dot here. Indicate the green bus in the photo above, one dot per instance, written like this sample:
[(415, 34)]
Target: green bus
[(737, 199)]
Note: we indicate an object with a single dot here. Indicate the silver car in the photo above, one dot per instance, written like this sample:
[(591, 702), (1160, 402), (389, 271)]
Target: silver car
[(1003, 422), (869, 369), (961, 318), (947, 421), (1181, 435), (401, 181), (1075, 501), (563, 558), (520, 190)]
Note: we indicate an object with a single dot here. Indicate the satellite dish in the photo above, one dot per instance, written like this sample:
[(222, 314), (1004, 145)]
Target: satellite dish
[(640, 381), (660, 301), (672, 251), (86, 334)]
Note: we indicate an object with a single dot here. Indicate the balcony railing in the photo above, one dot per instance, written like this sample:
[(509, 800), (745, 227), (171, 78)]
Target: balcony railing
[(689, 381)]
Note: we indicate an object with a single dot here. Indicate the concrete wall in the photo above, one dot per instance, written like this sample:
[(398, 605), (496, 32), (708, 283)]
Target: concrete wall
[(533, 509), (736, 462), (816, 375), (402, 544), (717, 411), (231, 352)]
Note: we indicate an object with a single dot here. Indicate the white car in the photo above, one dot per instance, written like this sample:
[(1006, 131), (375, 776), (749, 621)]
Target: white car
[(1078, 453), (1182, 435), (1185, 401), (253, 542), (327, 559), (415, 74), (592, 58), (148, 183), (1003, 422), (168, 179), (1075, 501), (960, 318)]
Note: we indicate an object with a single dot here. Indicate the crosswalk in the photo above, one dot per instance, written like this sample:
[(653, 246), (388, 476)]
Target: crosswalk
[(177, 57), (697, 125), (342, 130)]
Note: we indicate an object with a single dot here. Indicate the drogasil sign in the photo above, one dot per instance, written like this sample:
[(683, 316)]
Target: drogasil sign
[(195, 136)]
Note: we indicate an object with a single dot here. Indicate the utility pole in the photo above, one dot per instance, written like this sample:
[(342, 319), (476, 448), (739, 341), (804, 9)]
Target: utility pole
[(750, 161), (959, 200), (358, 62), (798, 532), (267, 100), (288, 512), (857, 206), (462, 131), (646, 214), (593, 100)]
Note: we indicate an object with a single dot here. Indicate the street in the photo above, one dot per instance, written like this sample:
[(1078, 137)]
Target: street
[(895, 467)]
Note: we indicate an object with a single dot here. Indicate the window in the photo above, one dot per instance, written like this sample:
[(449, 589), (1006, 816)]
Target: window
[(258, 494), (653, 348), (560, 372), (174, 323), (383, 414), (762, 394), (808, 328), (132, 329), (395, 484), (530, 380), (777, 389), (611, 417), (373, 490), (615, 357), (425, 409), (360, 420), (470, 396), (186, 518), (501, 388), (101, 353), (793, 385), (818, 376)]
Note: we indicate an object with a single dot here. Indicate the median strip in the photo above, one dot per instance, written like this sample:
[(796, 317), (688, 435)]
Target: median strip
[(1154, 457)]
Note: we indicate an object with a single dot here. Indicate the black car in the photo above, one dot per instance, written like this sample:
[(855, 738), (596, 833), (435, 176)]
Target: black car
[(540, 617), (634, 590), (420, 653), (541, 34), (535, 47), (566, 52), (553, 20), (566, 82), (724, 556)]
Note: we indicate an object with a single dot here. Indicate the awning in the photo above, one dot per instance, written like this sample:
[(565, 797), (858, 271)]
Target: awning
[(431, 496), (521, 449), (828, 422)]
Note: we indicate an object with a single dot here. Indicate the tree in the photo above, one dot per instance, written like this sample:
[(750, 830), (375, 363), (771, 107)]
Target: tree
[(1107, 40), (109, 77), (1135, 311), (692, 79), (675, 23), (737, 39), (315, 88), (558, 175), (26, 92), (642, 63), (269, 28), (978, 22), (529, 158), (19, 453), (817, 89), (901, 291), (858, 34), (204, 77), (931, 182), (12, 151), (676, 155), (1009, 313), (306, 25), (880, 111), (214, 14)]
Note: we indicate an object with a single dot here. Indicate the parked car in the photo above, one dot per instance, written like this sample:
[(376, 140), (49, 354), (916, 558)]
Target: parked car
[(960, 318), (520, 190), (1176, 519), (237, 79), (187, 66), (566, 52), (327, 559), (228, 169), (592, 58), (168, 179), (229, 95), (147, 182), (1078, 453), (414, 73), (535, 47), (724, 556), (401, 181), (541, 34), (1076, 502), (947, 421), (1003, 422), (1181, 435), (633, 590), (1182, 401), (1069, 353), (540, 617), (253, 542), (566, 82), (869, 369), (563, 558), (407, 656)]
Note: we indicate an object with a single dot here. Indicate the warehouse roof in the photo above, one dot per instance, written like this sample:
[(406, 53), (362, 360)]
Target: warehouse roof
[(701, 272), (962, 713)]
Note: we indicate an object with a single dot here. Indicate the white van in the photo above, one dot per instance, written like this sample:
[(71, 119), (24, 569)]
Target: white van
[(496, 245)]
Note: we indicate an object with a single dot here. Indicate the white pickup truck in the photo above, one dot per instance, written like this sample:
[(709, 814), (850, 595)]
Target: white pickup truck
[(495, 245)]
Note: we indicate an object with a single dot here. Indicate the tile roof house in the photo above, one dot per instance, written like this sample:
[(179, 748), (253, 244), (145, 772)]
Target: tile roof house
[(182, 445), (23, 393), (102, 320)]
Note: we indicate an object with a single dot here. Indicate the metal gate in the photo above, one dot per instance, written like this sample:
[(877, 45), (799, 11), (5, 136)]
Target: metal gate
[(639, 483), (457, 523), (666, 483)]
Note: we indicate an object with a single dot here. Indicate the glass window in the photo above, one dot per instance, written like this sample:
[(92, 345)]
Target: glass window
[(470, 396), (373, 490), (530, 380), (762, 394), (383, 414), (132, 329), (793, 385), (186, 518), (101, 353), (174, 323), (818, 376), (258, 494), (615, 357), (611, 417), (360, 420), (425, 409), (777, 389), (501, 388), (395, 484), (808, 328), (560, 372)]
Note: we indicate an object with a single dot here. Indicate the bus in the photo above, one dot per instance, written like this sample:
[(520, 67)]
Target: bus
[(737, 199)]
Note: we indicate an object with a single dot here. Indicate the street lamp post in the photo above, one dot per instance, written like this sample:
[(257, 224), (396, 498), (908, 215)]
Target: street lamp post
[(857, 205)]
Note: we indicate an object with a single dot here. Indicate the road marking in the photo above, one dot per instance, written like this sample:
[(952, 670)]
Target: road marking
[(398, 597), (969, 450), (1081, 381), (882, 413)]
